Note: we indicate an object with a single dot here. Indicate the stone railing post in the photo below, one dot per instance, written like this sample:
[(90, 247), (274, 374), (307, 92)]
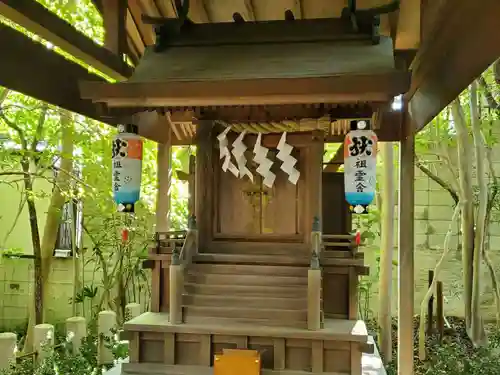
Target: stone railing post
[(43, 340), (8, 342), (76, 331), (314, 280), (175, 290), (106, 323), (132, 310)]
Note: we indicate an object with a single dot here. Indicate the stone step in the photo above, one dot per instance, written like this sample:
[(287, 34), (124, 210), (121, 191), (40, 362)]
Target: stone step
[(246, 290), (243, 269), (279, 315), (222, 279), (248, 302), (251, 259), (256, 250)]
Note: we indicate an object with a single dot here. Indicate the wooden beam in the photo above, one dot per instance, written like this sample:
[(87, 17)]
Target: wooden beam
[(153, 126), (32, 69), (114, 13), (462, 42), (277, 31), (47, 25), (406, 277), (408, 25), (334, 89), (249, 114)]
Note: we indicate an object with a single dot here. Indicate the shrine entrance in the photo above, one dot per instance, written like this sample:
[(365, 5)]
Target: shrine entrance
[(251, 210)]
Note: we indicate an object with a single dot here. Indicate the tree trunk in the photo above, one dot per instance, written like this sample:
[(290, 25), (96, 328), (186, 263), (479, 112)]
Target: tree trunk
[(430, 291), (466, 194), (36, 305), (477, 329), (58, 198), (53, 218), (386, 249), (35, 240)]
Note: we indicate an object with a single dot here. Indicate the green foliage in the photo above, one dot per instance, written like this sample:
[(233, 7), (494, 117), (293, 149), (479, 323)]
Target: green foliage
[(458, 357), (63, 360), (81, 14), (369, 227)]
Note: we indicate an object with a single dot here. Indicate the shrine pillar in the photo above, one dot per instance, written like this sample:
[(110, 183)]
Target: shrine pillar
[(314, 176), (164, 173), (406, 267), (204, 181)]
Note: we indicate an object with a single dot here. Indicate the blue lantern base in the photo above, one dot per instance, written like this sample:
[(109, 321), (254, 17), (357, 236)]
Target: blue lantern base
[(126, 207), (355, 210)]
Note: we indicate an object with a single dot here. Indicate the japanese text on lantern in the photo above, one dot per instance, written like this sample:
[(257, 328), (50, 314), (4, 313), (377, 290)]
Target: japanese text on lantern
[(360, 151), (360, 147)]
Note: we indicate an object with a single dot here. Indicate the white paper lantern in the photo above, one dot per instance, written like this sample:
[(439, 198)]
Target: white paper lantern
[(127, 167), (360, 163)]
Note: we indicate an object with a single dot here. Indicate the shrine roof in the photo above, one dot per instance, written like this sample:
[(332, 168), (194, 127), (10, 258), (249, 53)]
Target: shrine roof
[(258, 61), (258, 74)]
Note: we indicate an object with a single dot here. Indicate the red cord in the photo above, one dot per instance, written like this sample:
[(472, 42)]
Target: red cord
[(358, 238), (124, 235)]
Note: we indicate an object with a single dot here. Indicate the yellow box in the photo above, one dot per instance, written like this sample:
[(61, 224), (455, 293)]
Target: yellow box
[(237, 362)]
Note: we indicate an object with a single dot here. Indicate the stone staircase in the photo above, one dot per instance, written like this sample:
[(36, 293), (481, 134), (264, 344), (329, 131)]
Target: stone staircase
[(242, 288)]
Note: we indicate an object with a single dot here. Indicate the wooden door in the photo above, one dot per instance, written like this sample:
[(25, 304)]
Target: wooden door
[(336, 214), (249, 209)]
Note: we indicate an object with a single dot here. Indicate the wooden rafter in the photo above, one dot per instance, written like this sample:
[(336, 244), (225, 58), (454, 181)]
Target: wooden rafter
[(459, 44), (146, 31), (275, 10), (42, 22), (134, 33)]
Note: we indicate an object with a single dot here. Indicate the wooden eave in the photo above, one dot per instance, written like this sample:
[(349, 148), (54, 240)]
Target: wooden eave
[(461, 38), (380, 87)]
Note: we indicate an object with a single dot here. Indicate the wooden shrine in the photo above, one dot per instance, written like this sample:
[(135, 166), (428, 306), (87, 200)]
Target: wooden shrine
[(446, 44), (255, 270)]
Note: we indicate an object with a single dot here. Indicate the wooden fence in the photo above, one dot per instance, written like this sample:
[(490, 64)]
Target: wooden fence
[(76, 331)]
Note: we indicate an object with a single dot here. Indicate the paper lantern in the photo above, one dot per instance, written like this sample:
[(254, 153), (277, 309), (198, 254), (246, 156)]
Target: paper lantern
[(127, 166), (360, 162)]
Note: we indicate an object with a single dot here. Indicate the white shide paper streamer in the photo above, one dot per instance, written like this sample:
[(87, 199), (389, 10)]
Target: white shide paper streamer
[(238, 152), (265, 164), (285, 155), (225, 154)]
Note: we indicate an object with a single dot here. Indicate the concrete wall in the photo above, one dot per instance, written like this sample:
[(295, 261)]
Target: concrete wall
[(433, 213), (16, 275)]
